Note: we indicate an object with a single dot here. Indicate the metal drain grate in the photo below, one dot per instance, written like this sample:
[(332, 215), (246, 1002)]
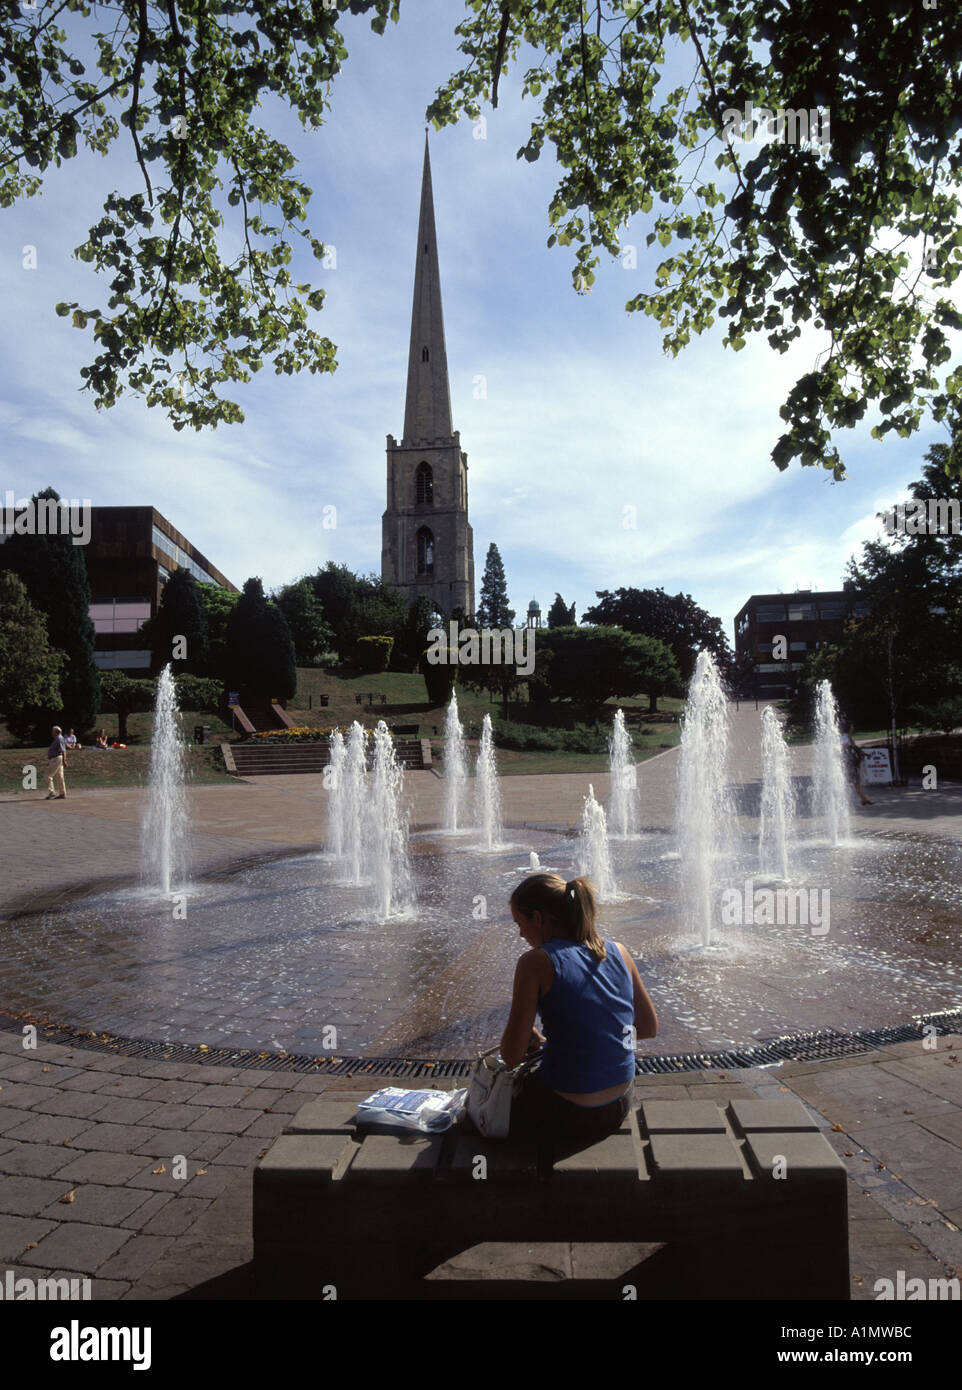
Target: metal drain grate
[(799, 1047)]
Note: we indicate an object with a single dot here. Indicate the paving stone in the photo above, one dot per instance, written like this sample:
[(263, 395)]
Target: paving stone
[(244, 1151), (238, 1122), (26, 1196), (34, 1160), (20, 1096), (33, 1072), (48, 1129), (17, 1232), (170, 1092), (192, 1143), (141, 1215), (219, 1096), (135, 1258), (176, 1217), (215, 1180), (929, 1164), (129, 1086), (84, 1081), (98, 1205), (101, 1167), (176, 1116), (10, 1119), (164, 1181), (126, 1110), (76, 1246), (80, 1104), (948, 1126), (119, 1138), (263, 1096)]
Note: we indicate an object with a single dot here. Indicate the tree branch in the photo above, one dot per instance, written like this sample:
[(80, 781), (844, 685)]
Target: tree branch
[(142, 32)]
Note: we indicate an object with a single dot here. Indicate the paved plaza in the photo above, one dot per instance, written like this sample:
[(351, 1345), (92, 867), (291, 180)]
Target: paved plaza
[(137, 1173)]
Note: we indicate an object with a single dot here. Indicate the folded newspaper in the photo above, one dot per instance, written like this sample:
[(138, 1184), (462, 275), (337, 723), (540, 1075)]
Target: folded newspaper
[(424, 1110)]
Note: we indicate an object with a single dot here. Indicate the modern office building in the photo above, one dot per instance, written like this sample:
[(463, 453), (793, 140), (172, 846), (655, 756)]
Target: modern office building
[(805, 620), (132, 553)]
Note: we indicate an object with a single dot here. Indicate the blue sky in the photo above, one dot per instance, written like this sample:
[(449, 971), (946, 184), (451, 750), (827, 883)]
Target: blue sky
[(580, 414)]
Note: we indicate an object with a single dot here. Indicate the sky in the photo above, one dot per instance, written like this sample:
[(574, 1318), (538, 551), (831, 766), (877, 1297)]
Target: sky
[(568, 409)]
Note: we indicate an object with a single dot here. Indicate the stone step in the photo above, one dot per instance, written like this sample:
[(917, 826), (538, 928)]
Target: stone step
[(277, 759)]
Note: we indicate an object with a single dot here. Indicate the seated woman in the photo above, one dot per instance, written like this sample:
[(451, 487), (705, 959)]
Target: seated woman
[(70, 739), (101, 741), (592, 1004)]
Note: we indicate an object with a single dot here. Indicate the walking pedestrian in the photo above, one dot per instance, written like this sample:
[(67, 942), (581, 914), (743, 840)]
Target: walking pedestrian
[(56, 763)]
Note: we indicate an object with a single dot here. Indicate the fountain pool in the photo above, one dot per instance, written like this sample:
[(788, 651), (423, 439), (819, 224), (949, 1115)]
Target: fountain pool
[(276, 950)]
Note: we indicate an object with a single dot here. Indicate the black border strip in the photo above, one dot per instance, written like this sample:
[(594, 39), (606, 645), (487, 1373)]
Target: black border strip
[(823, 1045)]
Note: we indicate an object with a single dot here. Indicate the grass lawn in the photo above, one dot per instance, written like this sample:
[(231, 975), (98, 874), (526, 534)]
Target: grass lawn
[(93, 768)]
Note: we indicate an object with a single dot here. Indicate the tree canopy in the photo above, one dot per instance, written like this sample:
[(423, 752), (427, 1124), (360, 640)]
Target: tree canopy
[(675, 620), (646, 106), (902, 654)]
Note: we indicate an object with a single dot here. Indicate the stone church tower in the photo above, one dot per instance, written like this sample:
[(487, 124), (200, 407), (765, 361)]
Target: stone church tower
[(427, 547)]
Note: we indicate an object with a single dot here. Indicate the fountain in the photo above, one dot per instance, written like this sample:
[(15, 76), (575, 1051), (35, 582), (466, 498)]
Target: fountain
[(595, 856), (487, 792), (776, 822), (706, 814), (387, 830), (455, 769), (347, 805), (332, 783), (830, 794), (623, 816), (164, 830)]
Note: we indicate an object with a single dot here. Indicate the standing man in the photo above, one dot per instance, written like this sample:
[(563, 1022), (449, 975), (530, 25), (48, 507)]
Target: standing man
[(56, 762)]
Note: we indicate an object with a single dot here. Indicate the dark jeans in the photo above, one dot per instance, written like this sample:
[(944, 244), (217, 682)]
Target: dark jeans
[(541, 1111)]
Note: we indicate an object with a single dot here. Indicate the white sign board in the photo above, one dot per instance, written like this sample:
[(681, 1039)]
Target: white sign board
[(876, 769)]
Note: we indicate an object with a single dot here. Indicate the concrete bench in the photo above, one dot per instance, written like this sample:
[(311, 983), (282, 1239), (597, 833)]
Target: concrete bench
[(749, 1200)]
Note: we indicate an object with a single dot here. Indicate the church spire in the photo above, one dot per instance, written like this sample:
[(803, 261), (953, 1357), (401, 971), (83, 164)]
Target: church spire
[(427, 409)]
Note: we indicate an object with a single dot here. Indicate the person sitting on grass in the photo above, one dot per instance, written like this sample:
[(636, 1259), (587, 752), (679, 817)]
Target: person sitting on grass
[(101, 739), (592, 1004)]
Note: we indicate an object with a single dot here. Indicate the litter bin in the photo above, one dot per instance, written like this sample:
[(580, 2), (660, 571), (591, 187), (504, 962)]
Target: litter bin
[(202, 733), (325, 700)]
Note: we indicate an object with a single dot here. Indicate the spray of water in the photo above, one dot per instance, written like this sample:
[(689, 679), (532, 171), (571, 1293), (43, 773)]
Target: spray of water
[(335, 802), (623, 808), (391, 866), (455, 769), (486, 790), (777, 821), (594, 859), (351, 799), (164, 829), (830, 794), (706, 815)]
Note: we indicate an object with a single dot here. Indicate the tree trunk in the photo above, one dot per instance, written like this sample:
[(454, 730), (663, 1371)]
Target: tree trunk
[(652, 704), (122, 725)]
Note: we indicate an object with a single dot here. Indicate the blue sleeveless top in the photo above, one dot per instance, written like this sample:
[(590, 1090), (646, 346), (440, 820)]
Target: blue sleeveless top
[(587, 1016)]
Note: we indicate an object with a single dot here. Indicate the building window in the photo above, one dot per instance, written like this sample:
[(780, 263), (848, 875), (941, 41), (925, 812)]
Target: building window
[(424, 482), (121, 660), (833, 610), (425, 553), (119, 614), (770, 613), (801, 612), (424, 355)]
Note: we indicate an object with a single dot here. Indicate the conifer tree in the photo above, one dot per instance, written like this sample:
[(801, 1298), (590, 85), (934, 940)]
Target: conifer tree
[(181, 615), (493, 610), (54, 573)]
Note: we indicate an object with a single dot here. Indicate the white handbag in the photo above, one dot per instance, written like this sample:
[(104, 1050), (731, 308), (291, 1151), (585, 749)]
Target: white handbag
[(491, 1088)]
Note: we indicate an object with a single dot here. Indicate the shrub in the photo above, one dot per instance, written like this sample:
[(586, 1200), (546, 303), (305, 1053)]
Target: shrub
[(373, 654)]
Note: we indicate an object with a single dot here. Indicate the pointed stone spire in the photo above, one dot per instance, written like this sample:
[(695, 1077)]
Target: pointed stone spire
[(427, 409)]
